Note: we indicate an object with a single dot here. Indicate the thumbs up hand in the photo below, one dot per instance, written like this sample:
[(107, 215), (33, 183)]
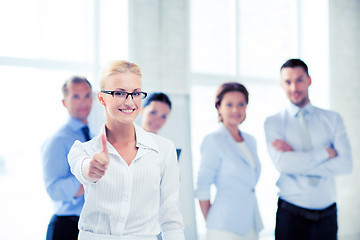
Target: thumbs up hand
[(94, 169)]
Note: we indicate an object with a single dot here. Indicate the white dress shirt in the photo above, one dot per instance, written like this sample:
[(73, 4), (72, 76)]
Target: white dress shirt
[(307, 177), (134, 201)]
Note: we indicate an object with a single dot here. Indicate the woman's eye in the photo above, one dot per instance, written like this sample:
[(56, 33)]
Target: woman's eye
[(119, 93)]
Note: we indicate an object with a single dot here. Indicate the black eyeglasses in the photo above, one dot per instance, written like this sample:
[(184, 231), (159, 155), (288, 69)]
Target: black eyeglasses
[(124, 95)]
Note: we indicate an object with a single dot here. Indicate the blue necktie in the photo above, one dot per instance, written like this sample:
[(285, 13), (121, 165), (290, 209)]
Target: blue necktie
[(86, 133)]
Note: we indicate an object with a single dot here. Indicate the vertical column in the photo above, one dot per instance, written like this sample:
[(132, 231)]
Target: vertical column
[(145, 40), (159, 42), (344, 28)]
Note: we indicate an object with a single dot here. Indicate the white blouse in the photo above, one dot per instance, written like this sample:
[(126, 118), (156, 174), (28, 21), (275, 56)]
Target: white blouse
[(245, 150), (134, 201)]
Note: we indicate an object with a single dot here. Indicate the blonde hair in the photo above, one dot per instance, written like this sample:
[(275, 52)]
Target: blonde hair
[(118, 66)]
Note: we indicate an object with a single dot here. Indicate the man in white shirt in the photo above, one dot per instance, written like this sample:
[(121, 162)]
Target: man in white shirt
[(309, 146)]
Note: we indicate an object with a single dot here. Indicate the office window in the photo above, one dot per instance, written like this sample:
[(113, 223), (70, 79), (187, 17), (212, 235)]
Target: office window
[(213, 36), (42, 44), (19, 28), (31, 110), (267, 36), (59, 30)]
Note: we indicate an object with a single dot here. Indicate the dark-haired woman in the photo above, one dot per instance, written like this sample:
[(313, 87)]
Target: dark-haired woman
[(229, 161), (155, 111)]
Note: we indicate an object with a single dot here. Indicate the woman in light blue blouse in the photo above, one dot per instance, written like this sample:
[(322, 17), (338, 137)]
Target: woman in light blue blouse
[(229, 160)]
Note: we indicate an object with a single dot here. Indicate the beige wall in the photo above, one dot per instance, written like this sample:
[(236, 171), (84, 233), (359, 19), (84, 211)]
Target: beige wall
[(344, 28)]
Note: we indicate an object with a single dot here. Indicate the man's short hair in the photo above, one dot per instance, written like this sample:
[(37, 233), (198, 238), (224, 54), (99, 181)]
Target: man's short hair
[(295, 62), (73, 79)]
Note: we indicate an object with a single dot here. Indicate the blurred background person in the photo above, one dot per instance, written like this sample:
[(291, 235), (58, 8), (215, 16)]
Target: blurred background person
[(229, 161), (309, 146), (155, 111), (64, 189)]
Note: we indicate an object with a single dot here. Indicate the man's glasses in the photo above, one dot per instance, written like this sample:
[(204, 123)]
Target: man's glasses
[(124, 95)]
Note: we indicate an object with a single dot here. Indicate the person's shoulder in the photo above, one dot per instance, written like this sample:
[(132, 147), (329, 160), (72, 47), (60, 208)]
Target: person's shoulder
[(58, 135), (275, 118), (214, 137), (214, 134), (326, 112)]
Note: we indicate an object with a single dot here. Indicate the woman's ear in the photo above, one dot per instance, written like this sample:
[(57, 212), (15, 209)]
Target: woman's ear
[(101, 98), (64, 103)]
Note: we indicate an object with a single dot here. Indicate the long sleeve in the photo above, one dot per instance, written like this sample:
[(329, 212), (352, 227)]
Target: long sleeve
[(307, 179), (343, 162), (209, 166), (226, 166), (60, 184), (136, 200), (76, 157), (170, 217), (292, 162)]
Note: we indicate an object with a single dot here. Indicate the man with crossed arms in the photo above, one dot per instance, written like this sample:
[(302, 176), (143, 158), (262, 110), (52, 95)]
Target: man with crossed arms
[(309, 146)]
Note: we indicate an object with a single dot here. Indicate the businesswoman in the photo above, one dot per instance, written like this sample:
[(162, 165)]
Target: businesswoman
[(155, 111), (229, 161), (130, 176)]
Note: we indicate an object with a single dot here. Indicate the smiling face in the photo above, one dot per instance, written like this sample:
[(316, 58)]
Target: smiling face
[(78, 101), (154, 116), (121, 110), (295, 83), (232, 108)]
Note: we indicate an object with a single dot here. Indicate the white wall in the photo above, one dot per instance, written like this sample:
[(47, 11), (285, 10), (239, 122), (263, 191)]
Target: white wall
[(344, 17)]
